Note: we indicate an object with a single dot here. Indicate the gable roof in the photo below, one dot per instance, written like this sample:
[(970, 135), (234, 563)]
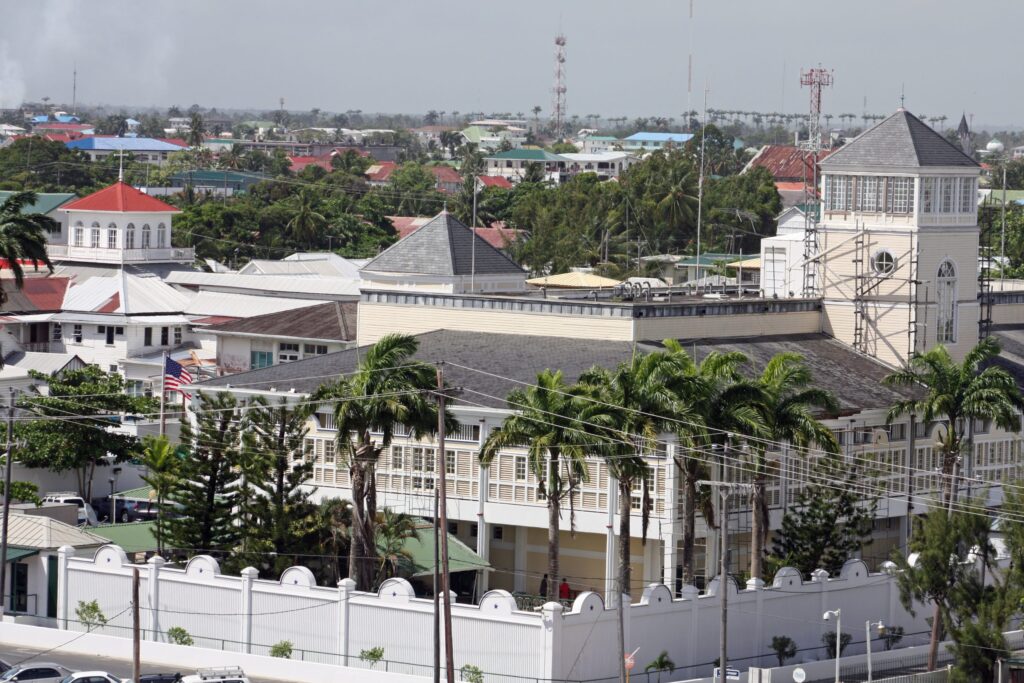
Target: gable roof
[(443, 246), (646, 136), (900, 141), (121, 198), (126, 294), (37, 294), (785, 163), (495, 181), (45, 201), (524, 154), (333, 321), (113, 144), (45, 533)]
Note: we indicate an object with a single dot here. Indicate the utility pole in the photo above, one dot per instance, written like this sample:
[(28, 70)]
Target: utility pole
[(8, 457), (725, 488), (440, 492), (163, 394), (136, 633), (700, 182), (1002, 237), (472, 258)]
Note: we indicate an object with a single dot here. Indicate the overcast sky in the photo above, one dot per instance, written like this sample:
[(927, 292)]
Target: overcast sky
[(624, 58)]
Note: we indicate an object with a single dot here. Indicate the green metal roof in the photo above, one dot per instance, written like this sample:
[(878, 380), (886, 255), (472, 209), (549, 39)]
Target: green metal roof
[(143, 493), (133, 537), (15, 553), (528, 155), (710, 259), (45, 201), (421, 554)]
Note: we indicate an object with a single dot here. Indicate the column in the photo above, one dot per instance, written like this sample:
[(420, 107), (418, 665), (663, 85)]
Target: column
[(345, 589), (609, 549), (248, 576), (670, 520), (483, 530), (519, 559), (155, 563), (64, 554), (552, 621)]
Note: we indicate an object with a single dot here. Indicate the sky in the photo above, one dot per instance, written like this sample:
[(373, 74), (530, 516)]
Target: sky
[(410, 56)]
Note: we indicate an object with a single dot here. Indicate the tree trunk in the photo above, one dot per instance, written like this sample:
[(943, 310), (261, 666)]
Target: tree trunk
[(554, 508), (758, 527), (933, 645), (689, 527), (625, 508), (356, 548)]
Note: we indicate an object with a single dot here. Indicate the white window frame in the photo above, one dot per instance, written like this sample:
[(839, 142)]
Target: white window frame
[(945, 298)]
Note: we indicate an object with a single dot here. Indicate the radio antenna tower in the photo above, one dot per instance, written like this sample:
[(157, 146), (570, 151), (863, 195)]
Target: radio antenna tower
[(558, 108), (815, 79)]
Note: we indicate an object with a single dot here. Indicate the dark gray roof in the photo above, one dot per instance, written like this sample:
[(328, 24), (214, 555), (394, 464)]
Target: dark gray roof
[(902, 141), (334, 320), (1011, 339), (443, 246), (853, 377)]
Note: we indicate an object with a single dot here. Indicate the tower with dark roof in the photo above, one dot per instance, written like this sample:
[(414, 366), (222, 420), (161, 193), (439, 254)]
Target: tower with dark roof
[(963, 131), (899, 242)]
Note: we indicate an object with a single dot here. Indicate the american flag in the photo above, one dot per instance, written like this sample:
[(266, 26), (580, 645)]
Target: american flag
[(176, 375)]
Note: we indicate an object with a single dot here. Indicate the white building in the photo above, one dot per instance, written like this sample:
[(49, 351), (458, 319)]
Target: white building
[(782, 256), (606, 165)]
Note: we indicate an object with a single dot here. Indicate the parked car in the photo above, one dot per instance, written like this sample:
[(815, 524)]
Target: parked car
[(94, 677), (127, 510), (160, 678), (37, 672), (4, 665), (227, 674), (86, 515)]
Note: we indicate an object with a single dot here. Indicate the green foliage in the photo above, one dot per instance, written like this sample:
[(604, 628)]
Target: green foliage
[(828, 639), (372, 655), (23, 236), (179, 636), (891, 636), (828, 522), (23, 491), (206, 491), (83, 444), (41, 165), (784, 648), (163, 466), (393, 531), (472, 674), (90, 614), (282, 649), (661, 663)]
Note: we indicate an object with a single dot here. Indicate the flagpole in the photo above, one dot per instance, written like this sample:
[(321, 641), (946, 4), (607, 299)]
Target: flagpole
[(163, 394)]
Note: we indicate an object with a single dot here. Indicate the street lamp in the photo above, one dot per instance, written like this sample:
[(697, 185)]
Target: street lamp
[(837, 613), (113, 507), (867, 639)]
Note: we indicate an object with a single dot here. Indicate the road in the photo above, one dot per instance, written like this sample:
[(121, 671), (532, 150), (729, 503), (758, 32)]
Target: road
[(122, 668)]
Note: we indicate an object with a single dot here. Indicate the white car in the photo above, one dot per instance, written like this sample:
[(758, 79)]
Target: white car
[(37, 672), (94, 677), (228, 674), (86, 515)]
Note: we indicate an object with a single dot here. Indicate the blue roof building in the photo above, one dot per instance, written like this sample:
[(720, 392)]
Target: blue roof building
[(149, 150), (644, 141)]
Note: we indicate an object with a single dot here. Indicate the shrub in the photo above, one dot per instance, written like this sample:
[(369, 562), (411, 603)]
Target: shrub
[(179, 636), (90, 614), (282, 649), (372, 656), (472, 674), (829, 641), (784, 648), (892, 636)]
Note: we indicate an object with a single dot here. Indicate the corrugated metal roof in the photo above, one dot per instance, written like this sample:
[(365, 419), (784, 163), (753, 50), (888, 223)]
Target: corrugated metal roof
[(643, 136), (20, 363), (334, 321), (270, 285), (786, 163), (242, 305), (44, 533), (321, 265), (120, 197), (124, 293), (45, 201), (573, 280), (528, 155), (127, 144)]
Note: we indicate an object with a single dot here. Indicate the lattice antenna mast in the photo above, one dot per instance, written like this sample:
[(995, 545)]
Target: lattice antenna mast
[(558, 107), (815, 79)]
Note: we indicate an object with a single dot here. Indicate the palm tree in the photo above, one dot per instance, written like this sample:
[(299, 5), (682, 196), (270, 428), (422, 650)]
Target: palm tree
[(677, 204), (162, 464), (661, 663), (332, 525), (787, 415), (23, 237), (725, 403), (956, 393), (547, 424), (388, 388), (306, 223), (195, 131), (394, 529)]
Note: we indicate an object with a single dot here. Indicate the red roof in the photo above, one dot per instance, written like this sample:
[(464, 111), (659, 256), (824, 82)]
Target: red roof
[(446, 174), (173, 141), (121, 198), (785, 162), (46, 293), (497, 235), (301, 162), (406, 225), (495, 181), (64, 127), (380, 173)]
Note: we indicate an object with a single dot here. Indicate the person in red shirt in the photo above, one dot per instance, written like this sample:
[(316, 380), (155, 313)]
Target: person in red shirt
[(563, 590)]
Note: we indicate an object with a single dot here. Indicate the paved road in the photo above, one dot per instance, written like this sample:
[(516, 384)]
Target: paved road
[(121, 668)]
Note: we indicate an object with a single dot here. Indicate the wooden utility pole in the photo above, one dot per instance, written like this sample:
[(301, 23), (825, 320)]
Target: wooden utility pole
[(442, 520), (8, 457), (136, 633)]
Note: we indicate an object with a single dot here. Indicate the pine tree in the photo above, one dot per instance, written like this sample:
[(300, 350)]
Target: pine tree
[(827, 523), (207, 490)]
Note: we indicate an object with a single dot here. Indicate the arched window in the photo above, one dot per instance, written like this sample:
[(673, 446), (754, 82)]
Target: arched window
[(161, 236), (145, 236), (129, 236), (112, 236), (946, 300), (94, 236), (883, 262), (79, 236)]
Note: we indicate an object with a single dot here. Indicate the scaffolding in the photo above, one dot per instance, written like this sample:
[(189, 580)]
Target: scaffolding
[(985, 296), (815, 79), (867, 280)]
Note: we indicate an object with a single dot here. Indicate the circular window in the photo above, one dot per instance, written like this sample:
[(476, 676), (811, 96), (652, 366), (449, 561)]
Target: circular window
[(883, 262)]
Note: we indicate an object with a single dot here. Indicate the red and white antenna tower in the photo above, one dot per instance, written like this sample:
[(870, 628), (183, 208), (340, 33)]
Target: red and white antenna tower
[(558, 107), (815, 79)]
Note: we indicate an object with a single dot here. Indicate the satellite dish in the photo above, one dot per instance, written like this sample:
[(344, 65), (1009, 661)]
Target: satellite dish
[(799, 675)]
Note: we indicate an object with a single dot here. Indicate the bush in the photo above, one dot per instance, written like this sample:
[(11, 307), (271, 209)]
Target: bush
[(372, 656), (179, 636), (892, 636), (829, 641), (472, 674), (90, 614), (784, 648), (282, 649)]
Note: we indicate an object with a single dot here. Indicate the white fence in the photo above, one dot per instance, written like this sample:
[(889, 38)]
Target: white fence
[(333, 625)]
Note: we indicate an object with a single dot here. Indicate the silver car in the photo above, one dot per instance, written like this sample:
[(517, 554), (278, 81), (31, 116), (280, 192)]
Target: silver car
[(37, 672)]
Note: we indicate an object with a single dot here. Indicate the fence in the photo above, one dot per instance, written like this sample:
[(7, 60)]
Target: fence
[(247, 615)]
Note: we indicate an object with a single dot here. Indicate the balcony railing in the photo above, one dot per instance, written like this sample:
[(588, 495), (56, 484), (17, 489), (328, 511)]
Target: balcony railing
[(63, 251)]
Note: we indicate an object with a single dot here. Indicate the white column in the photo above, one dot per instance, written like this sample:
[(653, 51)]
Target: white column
[(248, 576), (345, 588), (64, 554), (552, 621), (483, 530), (670, 520), (155, 563), (609, 550), (519, 558)]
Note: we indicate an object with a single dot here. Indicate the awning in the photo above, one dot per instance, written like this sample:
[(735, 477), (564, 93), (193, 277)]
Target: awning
[(421, 554), (15, 553), (133, 537), (143, 494)]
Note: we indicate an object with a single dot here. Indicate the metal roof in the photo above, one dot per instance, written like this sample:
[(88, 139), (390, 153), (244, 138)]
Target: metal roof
[(124, 293), (443, 246), (900, 141), (127, 144), (45, 201), (45, 533), (311, 264), (122, 198), (528, 155), (20, 363), (269, 285), (14, 553), (132, 537), (334, 321), (573, 280), (242, 305), (643, 136)]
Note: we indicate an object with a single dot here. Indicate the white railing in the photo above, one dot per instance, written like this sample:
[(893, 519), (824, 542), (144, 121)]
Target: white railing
[(121, 255)]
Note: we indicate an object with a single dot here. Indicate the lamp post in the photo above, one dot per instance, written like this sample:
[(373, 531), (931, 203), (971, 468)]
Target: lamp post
[(113, 503), (867, 639), (839, 634)]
